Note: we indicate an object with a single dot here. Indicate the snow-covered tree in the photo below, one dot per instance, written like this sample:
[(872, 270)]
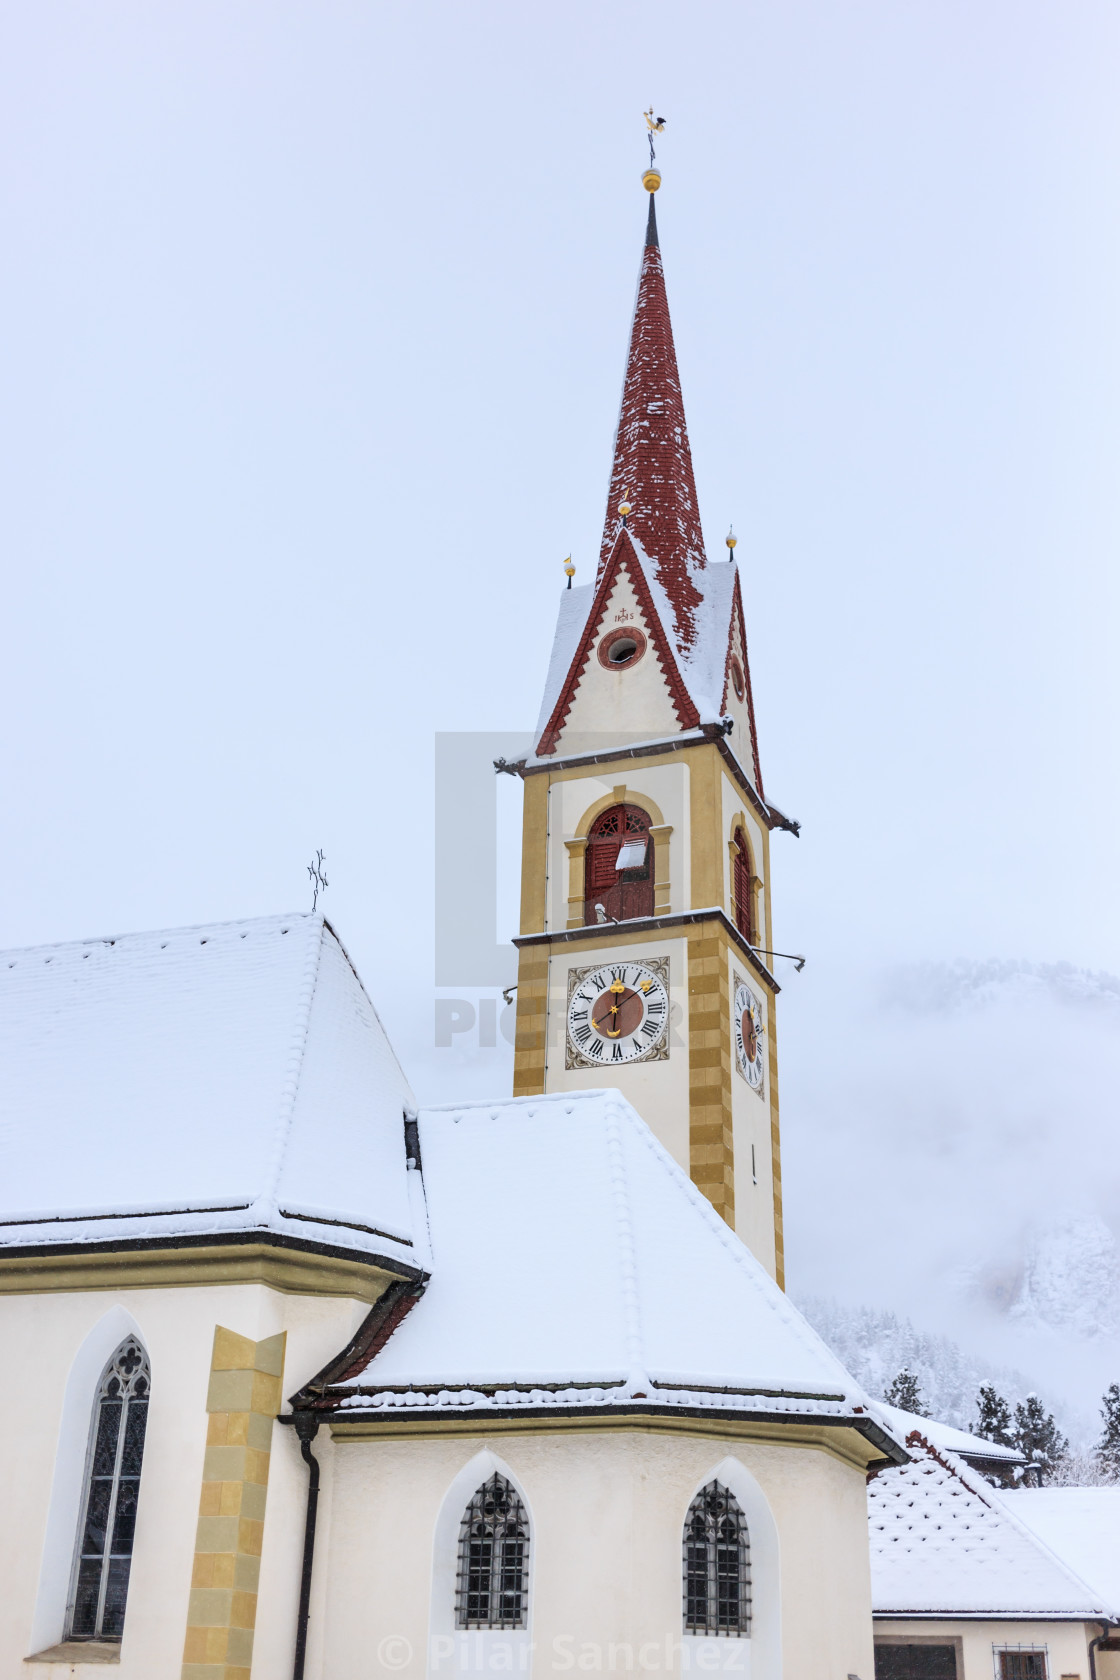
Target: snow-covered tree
[(1037, 1436), (993, 1416), (905, 1393), (1082, 1469), (1108, 1447)]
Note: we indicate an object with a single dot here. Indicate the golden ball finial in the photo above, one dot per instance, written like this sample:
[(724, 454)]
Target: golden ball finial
[(731, 539), (569, 568), (651, 179), (624, 508)]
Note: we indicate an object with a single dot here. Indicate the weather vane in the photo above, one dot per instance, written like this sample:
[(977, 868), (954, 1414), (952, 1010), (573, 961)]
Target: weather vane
[(655, 125), (318, 879)]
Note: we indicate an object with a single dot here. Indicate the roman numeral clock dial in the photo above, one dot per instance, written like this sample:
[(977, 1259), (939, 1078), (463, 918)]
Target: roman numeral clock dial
[(618, 1012), (748, 1032)]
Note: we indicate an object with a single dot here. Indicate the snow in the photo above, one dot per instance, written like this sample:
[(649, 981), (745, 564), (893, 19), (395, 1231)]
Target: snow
[(702, 665), (1082, 1525), (200, 1080), (575, 1264), (571, 621), (945, 1543), (941, 1435)]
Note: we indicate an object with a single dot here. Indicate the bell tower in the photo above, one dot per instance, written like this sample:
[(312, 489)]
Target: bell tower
[(645, 892)]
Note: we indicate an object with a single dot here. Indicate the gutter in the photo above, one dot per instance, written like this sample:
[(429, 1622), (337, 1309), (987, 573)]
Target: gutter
[(643, 924)]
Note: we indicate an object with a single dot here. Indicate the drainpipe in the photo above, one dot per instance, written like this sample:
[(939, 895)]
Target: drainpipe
[(1093, 1643), (306, 1426)]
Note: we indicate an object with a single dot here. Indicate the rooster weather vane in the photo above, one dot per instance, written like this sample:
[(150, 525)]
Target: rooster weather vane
[(655, 125), (319, 881)]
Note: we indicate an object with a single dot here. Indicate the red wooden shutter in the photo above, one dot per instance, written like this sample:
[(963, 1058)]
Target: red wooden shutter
[(743, 892), (624, 894)]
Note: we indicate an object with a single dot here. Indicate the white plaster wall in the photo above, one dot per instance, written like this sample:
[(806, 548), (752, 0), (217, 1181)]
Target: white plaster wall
[(613, 707), (570, 799), (56, 1345), (607, 1511), (750, 1124), (658, 1090), (1066, 1643)]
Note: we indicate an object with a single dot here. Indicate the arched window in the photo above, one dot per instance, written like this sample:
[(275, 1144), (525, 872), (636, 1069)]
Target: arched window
[(108, 1521), (493, 1580), (742, 888), (620, 835), (717, 1564)]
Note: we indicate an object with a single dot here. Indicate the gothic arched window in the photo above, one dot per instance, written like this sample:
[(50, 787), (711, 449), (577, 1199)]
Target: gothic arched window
[(717, 1564), (108, 1520), (743, 887), (493, 1579), (620, 834)]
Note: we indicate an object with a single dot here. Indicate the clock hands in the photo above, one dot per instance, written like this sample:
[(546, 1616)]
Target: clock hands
[(617, 987)]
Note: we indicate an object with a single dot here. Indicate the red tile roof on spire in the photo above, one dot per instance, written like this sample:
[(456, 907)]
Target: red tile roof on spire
[(652, 461)]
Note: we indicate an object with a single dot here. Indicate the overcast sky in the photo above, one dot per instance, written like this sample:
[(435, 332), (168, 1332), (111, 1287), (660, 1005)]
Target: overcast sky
[(315, 317)]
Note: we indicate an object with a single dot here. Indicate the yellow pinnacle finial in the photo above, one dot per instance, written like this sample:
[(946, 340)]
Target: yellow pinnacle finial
[(651, 177), (569, 570), (731, 539)]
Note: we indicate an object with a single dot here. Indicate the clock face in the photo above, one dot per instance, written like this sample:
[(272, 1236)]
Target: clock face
[(618, 1012), (748, 1032)]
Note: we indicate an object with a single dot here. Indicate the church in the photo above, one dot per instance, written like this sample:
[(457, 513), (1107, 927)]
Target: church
[(317, 1382)]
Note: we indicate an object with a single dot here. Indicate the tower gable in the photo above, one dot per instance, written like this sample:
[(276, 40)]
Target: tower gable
[(609, 690), (736, 701)]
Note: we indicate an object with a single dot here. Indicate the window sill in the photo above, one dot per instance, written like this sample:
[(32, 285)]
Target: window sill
[(79, 1651)]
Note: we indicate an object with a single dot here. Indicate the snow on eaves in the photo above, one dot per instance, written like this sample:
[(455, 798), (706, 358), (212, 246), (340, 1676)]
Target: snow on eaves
[(944, 1436), (200, 1081), (576, 1265), (944, 1543), (571, 621)]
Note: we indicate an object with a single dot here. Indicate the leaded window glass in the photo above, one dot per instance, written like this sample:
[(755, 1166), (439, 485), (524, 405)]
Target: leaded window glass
[(108, 1521), (717, 1565), (493, 1579)]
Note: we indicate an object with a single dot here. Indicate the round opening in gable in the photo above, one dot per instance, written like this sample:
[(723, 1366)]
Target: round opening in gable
[(737, 679), (622, 648)]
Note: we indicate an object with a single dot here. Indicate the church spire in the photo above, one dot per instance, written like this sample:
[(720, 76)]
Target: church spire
[(652, 468)]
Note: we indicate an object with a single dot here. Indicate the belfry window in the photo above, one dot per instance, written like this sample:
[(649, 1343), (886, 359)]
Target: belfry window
[(493, 1579), (742, 887), (717, 1565), (618, 866), (108, 1520)]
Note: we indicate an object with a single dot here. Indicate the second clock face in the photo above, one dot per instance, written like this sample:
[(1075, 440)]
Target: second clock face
[(617, 1013), (748, 1033)]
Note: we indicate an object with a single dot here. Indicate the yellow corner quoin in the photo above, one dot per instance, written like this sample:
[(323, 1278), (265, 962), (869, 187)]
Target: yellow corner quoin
[(243, 1400), (692, 865)]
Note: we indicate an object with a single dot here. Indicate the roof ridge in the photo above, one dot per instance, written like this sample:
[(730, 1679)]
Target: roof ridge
[(737, 1249), (517, 1102), (161, 932), (628, 1260), (266, 1201)]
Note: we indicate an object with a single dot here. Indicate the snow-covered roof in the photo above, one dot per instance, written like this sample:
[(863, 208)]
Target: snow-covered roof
[(571, 620), (203, 1080), (575, 1265), (1082, 1525), (945, 1543), (968, 1447)]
